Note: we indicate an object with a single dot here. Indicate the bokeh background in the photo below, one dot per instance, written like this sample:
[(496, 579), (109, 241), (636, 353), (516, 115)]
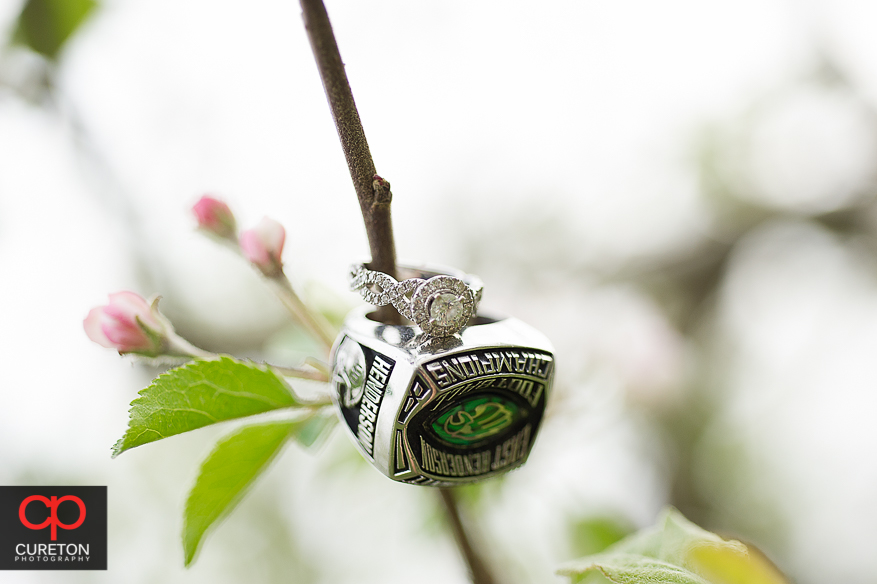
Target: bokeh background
[(681, 194)]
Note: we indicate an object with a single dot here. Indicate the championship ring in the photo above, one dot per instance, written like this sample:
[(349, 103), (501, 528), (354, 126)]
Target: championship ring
[(455, 397)]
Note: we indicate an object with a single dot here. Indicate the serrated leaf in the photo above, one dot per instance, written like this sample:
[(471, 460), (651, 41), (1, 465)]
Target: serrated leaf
[(635, 569), (225, 475), (672, 540), (201, 393), (695, 555), (45, 25)]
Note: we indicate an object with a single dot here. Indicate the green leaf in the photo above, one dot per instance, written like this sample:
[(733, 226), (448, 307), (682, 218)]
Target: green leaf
[(672, 540), (45, 25), (225, 475), (723, 566), (201, 393), (679, 552), (636, 569)]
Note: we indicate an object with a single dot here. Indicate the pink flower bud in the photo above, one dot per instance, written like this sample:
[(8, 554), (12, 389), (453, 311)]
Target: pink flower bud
[(215, 217), (263, 246), (128, 324)]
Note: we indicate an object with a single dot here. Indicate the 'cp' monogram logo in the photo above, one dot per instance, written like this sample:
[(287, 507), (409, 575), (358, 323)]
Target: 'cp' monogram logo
[(52, 506)]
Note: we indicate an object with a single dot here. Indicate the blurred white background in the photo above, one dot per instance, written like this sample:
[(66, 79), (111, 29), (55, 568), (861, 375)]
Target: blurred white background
[(679, 193)]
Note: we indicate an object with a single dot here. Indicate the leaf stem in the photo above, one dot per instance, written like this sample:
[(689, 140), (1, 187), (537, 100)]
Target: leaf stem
[(318, 365), (313, 374), (372, 191), (178, 346), (316, 405), (316, 325)]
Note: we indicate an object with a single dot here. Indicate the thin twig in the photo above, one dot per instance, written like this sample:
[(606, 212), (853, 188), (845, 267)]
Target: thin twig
[(374, 197), (177, 346), (372, 191), (478, 571), (313, 321)]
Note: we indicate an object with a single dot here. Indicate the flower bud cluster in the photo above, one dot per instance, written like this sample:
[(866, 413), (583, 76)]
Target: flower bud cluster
[(132, 324), (261, 245)]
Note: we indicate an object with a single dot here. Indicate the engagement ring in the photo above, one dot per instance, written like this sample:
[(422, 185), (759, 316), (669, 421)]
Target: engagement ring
[(440, 302)]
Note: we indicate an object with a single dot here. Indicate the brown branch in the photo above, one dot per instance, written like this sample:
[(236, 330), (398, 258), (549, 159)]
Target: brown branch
[(478, 570), (374, 197), (372, 191)]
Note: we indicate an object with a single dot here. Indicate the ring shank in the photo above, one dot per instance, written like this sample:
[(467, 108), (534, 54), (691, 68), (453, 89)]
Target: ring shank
[(425, 272)]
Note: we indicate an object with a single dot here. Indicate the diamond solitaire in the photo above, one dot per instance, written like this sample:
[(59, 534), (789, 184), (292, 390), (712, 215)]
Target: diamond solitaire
[(446, 309)]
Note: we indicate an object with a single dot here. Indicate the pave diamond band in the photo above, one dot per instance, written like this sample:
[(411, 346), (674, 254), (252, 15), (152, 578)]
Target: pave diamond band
[(440, 302)]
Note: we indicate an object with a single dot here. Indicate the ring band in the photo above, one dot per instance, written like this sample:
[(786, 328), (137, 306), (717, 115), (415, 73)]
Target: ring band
[(440, 302)]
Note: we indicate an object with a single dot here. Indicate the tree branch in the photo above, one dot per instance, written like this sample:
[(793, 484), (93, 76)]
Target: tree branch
[(478, 571), (372, 191), (374, 197)]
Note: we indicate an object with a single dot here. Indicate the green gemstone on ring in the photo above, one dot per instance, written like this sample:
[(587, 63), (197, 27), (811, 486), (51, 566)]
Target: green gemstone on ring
[(476, 419)]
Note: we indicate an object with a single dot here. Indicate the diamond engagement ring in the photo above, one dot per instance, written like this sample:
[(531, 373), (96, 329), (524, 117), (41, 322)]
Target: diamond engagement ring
[(440, 302)]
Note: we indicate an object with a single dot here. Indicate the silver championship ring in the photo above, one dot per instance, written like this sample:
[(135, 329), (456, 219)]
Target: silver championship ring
[(455, 397)]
